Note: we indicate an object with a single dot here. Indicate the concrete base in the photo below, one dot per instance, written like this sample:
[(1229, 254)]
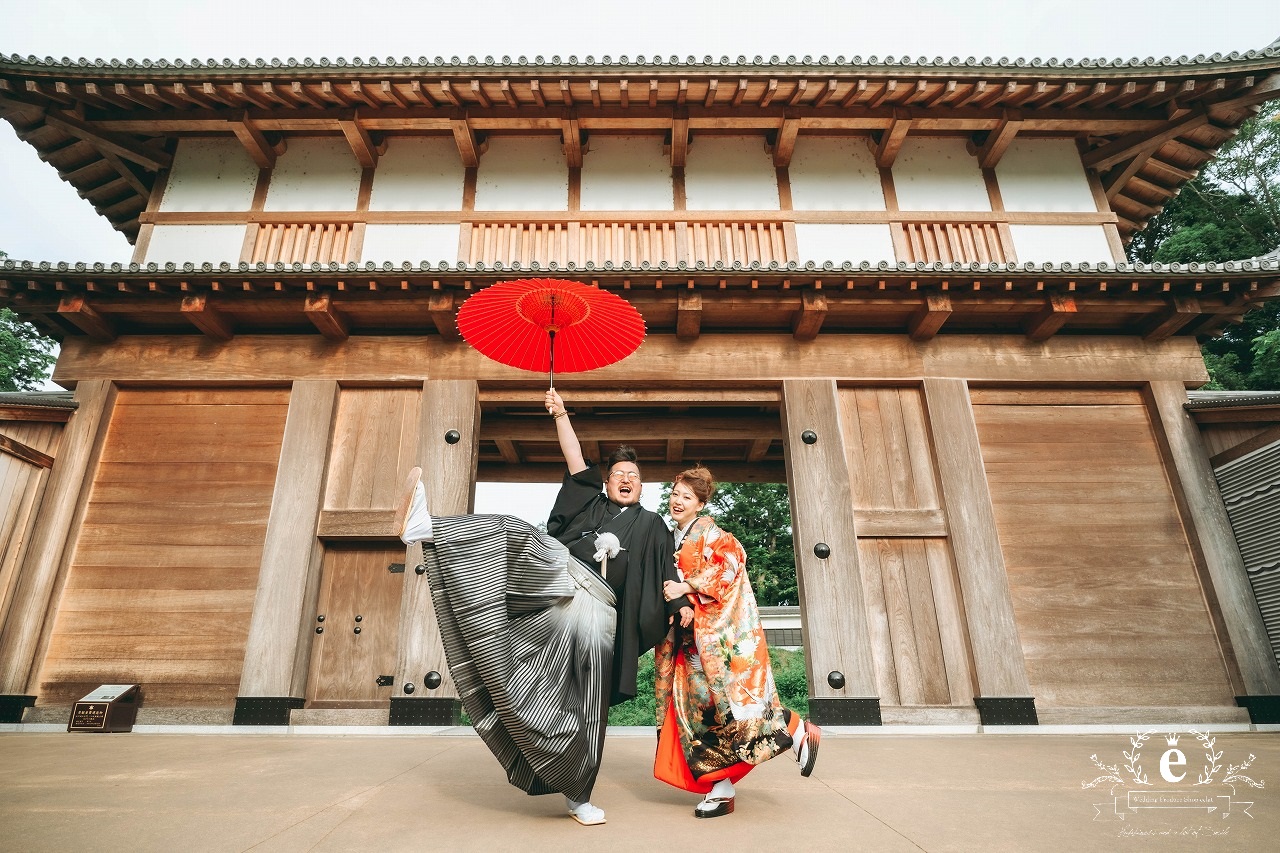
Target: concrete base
[(882, 792)]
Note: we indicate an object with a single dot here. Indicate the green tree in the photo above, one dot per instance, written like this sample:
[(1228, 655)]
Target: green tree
[(25, 354), (759, 514), (1229, 212)]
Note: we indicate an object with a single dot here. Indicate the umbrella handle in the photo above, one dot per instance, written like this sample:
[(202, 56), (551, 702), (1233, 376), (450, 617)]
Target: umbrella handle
[(551, 375)]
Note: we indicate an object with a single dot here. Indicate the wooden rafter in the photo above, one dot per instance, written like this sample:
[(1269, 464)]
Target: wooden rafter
[(929, 317), (890, 143), (145, 156), (254, 141), (366, 153), (86, 318), (328, 320), (1046, 322), (1181, 311), (1105, 156), (679, 140), (571, 138), (465, 138), (785, 145), (688, 315), (207, 318), (18, 450), (443, 314), (807, 322), (999, 140)]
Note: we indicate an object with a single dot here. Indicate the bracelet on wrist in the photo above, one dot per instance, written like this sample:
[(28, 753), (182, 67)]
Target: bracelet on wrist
[(560, 414)]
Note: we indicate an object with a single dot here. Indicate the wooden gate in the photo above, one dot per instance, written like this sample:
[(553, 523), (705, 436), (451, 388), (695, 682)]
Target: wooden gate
[(356, 627)]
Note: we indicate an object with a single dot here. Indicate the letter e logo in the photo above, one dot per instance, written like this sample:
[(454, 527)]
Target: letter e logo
[(1172, 758)]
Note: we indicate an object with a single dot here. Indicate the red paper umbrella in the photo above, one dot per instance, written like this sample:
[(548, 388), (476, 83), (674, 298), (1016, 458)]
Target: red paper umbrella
[(548, 323)]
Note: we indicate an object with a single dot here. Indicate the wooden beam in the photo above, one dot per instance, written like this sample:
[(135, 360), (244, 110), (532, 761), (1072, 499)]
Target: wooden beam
[(149, 158), (1117, 181), (207, 318), (1260, 93), (465, 138), (996, 649), (444, 314), (886, 149), (366, 153), (451, 489), (330, 322), (675, 450), (53, 538), (807, 322), (679, 140), (759, 449), (1046, 322), (999, 140), (929, 317), (837, 633), (1105, 156), (785, 146), (86, 318), (606, 428), (571, 138), (510, 453), (18, 450), (279, 635), (1224, 579), (1180, 312), (255, 143), (688, 315)]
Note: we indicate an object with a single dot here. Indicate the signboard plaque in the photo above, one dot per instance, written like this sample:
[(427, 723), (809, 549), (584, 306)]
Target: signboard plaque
[(109, 708)]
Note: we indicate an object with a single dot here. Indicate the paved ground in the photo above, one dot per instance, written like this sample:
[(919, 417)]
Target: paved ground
[(392, 791)]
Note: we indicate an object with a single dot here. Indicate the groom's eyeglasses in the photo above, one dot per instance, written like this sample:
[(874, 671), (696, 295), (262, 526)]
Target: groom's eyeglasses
[(625, 475)]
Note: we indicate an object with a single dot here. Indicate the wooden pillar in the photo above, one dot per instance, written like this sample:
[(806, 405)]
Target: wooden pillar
[(837, 636), (999, 665), (279, 644), (26, 626), (449, 473), (1236, 618)]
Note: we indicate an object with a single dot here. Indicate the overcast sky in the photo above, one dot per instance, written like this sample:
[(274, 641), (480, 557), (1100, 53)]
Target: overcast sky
[(42, 218)]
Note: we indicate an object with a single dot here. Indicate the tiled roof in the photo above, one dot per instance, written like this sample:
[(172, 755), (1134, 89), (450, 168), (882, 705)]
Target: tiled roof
[(804, 64)]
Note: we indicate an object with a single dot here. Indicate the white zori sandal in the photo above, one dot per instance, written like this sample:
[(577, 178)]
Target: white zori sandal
[(585, 813), (413, 522)]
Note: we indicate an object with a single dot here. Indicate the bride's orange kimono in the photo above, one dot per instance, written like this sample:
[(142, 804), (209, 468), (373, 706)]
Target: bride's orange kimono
[(717, 705)]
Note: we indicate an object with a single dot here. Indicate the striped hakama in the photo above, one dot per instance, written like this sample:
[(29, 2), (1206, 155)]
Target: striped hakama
[(528, 632)]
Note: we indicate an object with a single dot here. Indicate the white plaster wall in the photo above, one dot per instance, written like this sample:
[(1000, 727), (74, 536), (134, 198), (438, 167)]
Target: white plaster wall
[(418, 173), (842, 243), (730, 173), (523, 173), (933, 173), (834, 174), (431, 243), (315, 174), (1058, 243), (210, 174), (626, 173), (196, 243), (1043, 175)]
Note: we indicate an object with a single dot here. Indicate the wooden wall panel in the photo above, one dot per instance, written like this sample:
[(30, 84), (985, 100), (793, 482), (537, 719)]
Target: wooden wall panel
[(375, 441), (162, 582), (1109, 608), (913, 605), (21, 487)]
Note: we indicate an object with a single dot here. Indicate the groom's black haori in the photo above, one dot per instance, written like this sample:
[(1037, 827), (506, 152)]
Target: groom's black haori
[(580, 513)]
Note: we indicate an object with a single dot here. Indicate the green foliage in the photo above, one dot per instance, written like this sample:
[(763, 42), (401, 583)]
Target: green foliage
[(25, 354), (759, 515), (788, 675), (1230, 212)]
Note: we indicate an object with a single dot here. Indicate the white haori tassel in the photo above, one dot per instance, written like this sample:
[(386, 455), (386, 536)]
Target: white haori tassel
[(607, 546), (417, 523)]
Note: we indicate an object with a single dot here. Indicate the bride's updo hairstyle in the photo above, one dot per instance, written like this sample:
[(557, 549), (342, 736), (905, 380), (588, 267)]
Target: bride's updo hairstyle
[(699, 481)]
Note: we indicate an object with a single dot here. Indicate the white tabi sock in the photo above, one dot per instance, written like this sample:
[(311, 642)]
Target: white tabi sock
[(417, 524)]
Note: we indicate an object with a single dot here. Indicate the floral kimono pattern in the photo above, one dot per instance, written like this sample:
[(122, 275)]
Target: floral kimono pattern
[(715, 675)]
